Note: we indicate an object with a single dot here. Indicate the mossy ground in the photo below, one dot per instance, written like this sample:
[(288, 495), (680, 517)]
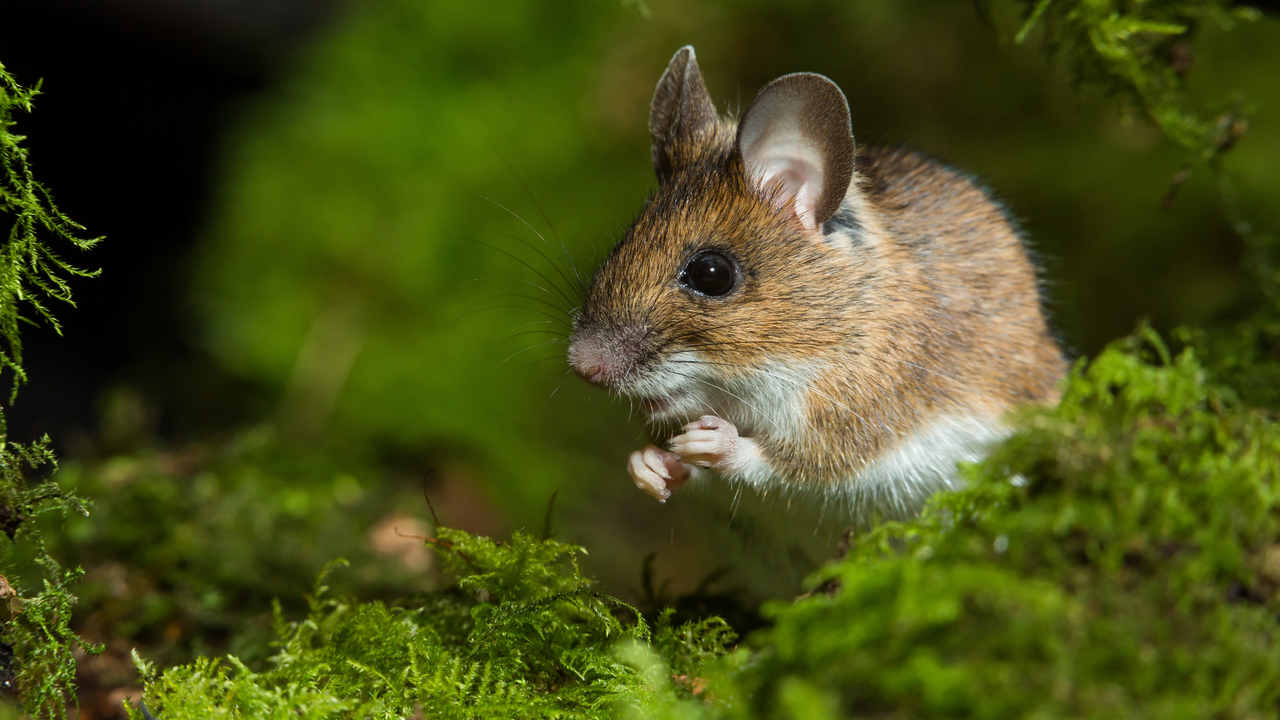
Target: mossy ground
[(1119, 556)]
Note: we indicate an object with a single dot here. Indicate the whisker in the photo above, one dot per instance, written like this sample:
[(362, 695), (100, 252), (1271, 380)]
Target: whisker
[(545, 257), (527, 191), (560, 340), (517, 307), (526, 224), (528, 265), (564, 339), (551, 331), (525, 350), (520, 280), (548, 303)]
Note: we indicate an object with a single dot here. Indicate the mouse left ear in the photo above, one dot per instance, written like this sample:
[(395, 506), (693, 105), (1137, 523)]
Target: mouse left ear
[(681, 112), (795, 136)]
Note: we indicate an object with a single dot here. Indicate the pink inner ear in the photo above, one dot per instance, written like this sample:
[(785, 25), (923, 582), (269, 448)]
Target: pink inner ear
[(778, 155), (799, 182)]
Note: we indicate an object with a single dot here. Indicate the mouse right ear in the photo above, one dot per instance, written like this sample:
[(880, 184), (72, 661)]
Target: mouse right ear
[(681, 111), (795, 139)]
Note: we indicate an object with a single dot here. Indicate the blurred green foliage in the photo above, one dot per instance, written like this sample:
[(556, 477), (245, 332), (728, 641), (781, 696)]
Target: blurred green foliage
[(357, 269)]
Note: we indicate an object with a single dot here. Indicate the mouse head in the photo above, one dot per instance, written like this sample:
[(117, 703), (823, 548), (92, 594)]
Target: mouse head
[(729, 266)]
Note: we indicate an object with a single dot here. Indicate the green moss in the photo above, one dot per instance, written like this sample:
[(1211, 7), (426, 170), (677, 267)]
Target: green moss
[(521, 634), (1140, 52), (1119, 556), (30, 269), (37, 645)]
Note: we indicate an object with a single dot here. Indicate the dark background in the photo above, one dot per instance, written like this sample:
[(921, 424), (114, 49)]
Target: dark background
[(136, 96)]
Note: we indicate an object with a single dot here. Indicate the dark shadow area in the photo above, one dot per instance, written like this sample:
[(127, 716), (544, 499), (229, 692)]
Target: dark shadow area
[(126, 134)]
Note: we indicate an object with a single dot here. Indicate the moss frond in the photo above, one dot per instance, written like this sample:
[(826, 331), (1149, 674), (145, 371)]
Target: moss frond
[(1139, 51), (37, 645), (30, 269)]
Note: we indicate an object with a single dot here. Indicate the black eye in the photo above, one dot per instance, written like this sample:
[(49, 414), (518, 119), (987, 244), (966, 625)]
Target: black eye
[(710, 273)]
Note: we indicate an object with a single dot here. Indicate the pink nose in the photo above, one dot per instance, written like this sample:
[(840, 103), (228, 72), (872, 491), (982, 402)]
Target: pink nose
[(590, 372), (587, 359)]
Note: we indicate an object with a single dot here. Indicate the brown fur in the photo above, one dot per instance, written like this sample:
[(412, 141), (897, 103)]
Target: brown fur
[(916, 300)]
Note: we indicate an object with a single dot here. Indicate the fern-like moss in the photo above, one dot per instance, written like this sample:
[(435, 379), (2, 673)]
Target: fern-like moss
[(37, 662), (29, 270), (1139, 51), (38, 642), (521, 634)]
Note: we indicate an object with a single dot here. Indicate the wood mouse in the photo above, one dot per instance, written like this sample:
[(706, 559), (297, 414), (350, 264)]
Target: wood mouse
[(816, 317)]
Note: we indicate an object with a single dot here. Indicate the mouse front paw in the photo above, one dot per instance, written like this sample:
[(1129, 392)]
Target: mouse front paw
[(657, 472), (708, 442)]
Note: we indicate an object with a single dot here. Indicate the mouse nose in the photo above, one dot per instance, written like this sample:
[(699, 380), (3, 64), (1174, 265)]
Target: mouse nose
[(588, 363), (590, 373), (588, 360)]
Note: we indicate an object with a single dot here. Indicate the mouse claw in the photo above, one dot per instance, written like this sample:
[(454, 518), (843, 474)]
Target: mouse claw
[(657, 472)]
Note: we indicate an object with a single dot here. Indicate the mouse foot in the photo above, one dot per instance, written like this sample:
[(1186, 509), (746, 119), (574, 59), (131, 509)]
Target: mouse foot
[(710, 442), (657, 472)]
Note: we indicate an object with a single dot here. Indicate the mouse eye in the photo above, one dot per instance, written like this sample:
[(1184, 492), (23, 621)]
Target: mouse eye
[(709, 273)]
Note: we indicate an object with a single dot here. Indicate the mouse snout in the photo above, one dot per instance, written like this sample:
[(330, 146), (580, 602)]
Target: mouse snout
[(597, 360), (587, 358), (588, 365)]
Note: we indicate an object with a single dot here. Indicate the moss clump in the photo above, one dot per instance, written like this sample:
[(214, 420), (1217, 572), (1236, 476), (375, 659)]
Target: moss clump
[(521, 634), (1119, 557), (29, 269), (37, 644)]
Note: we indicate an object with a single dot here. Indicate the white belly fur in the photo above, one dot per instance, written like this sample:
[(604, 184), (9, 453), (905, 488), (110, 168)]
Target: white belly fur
[(896, 484), (772, 539)]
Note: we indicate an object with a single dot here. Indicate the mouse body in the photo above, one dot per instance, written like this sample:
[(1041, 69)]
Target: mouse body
[(799, 314)]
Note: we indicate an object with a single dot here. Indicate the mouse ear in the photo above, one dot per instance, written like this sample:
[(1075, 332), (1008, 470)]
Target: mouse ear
[(795, 135), (681, 111)]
